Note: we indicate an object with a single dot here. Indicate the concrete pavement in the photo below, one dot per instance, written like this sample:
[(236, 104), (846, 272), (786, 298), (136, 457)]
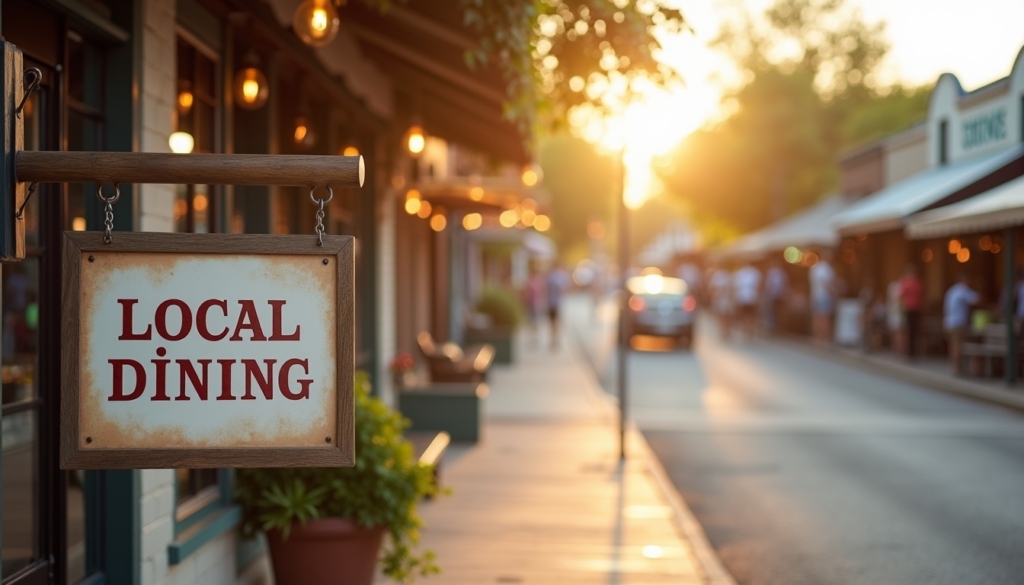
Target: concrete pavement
[(543, 497), (805, 471)]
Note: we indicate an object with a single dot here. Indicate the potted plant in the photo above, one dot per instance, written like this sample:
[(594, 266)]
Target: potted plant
[(401, 367), (328, 525), (504, 314)]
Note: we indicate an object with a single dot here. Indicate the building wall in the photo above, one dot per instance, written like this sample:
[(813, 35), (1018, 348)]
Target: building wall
[(158, 89), (906, 155), (986, 120), (215, 562), (863, 173)]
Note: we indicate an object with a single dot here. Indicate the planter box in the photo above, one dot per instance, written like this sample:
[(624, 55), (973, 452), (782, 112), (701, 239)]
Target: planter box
[(500, 338), (454, 408)]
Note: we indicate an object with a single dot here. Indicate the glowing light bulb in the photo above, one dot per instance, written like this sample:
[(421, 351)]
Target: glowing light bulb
[(417, 141), (181, 142), (542, 223), (185, 99), (316, 22), (472, 221), (350, 151), (438, 223), (251, 89)]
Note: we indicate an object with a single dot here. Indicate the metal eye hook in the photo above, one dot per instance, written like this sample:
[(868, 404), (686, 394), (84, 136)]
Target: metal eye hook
[(32, 78), (320, 203), (108, 209)]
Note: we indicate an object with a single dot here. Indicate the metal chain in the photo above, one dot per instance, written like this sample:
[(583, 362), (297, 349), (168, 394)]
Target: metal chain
[(320, 203), (108, 210)]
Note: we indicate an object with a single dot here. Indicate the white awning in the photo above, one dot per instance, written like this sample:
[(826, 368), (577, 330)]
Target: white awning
[(995, 209), (811, 227), (887, 209)]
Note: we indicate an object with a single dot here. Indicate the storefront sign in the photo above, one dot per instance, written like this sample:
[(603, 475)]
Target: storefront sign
[(985, 129), (184, 350)]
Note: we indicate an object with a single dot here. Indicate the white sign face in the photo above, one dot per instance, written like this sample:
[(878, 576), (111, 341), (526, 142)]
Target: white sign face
[(193, 351)]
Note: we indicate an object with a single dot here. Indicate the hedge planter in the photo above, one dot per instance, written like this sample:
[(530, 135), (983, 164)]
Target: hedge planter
[(499, 337), (454, 408), (328, 550)]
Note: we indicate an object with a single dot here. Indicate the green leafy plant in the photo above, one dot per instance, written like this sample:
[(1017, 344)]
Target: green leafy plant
[(502, 306), (383, 488)]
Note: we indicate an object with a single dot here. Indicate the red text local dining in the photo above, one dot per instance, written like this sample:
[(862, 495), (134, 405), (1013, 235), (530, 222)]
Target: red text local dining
[(135, 380)]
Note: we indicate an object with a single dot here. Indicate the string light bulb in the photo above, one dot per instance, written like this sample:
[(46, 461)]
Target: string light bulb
[(303, 133), (181, 142), (251, 86), (416, 140), (316, 22)]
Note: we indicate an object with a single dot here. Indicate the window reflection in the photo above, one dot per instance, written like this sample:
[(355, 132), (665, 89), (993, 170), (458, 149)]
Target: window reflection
[(20, 491)]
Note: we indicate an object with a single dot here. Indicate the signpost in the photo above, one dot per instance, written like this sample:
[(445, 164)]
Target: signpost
[(211, 350), (193, 350)]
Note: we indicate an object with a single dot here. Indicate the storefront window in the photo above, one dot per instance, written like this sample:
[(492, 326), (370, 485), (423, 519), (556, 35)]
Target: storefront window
[(20, 402), (196, 107), (197, 115)]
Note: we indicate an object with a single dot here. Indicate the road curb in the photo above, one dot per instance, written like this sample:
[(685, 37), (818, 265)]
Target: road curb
[(713, 572), (911, 374)]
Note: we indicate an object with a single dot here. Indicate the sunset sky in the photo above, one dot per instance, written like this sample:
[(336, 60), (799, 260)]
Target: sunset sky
[(977, 40)]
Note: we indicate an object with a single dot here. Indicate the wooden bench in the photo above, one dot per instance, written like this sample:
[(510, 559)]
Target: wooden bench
[(429, 448), (991, 345), (450, 363)]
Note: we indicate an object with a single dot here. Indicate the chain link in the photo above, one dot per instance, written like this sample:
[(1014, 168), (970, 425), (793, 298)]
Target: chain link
[(320, 203), (108, 210)]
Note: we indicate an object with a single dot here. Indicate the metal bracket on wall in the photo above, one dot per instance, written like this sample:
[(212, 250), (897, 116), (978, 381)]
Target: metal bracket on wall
[(21, 168), (12, 192)]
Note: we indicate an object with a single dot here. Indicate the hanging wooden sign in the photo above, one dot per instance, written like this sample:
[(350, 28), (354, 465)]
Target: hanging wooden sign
[(214, 350)]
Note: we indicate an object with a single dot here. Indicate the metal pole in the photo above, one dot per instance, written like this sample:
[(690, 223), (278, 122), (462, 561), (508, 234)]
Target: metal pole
[(623, 302), (1010, 287)]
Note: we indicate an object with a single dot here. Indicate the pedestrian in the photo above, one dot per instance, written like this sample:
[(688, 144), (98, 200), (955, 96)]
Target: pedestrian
[(534, 299), (894, 316), (912, 301), (746, 287), (557, 282), (956, 317), (776, 284), (823, 297), (720, 289)]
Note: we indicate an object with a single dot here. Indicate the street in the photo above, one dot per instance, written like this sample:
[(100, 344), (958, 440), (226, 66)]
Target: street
[(804, 471)]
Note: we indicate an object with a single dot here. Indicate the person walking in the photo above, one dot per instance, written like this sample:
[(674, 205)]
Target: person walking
[(912, 300), (557, 282), (776, 284), (746, 286), (720, 288), (956, 317), (534, 299), (823, 297)]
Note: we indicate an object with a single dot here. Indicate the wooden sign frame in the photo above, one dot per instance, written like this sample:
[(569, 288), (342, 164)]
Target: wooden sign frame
[(339, 452)]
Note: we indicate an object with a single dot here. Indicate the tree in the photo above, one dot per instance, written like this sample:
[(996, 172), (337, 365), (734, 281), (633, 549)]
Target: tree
[(582, 183), (558, 54), (811, 90)]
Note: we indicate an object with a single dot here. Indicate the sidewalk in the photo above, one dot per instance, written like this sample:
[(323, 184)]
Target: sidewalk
[(543, 497)]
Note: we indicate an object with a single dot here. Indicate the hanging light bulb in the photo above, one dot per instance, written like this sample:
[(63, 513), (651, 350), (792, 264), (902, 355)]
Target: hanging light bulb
[(181, 142), (251, 87), (532, 174), (185, 99), (303, 133), (416, 140), (316, 22)]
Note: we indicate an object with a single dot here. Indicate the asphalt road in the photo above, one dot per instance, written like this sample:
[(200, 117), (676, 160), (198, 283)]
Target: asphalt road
[(803, 471)]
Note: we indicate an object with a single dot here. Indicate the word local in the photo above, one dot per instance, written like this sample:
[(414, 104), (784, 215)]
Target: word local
[(247, 322)]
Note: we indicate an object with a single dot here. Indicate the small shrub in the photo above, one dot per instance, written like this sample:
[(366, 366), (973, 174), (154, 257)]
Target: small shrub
[(502, 306)]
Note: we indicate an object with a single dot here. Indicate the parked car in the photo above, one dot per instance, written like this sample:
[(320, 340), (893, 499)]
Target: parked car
[(661, 305)]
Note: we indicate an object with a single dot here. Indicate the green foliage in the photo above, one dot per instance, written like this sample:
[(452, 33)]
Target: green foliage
[(582, 184), (383, 488), (522, 36), (811, 90), (502, 306)]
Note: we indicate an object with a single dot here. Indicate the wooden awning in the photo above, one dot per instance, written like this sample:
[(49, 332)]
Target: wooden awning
[(422, 46)]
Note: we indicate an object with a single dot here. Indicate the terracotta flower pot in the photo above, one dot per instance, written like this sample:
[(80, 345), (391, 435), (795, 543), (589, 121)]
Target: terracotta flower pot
[(333, 551)]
